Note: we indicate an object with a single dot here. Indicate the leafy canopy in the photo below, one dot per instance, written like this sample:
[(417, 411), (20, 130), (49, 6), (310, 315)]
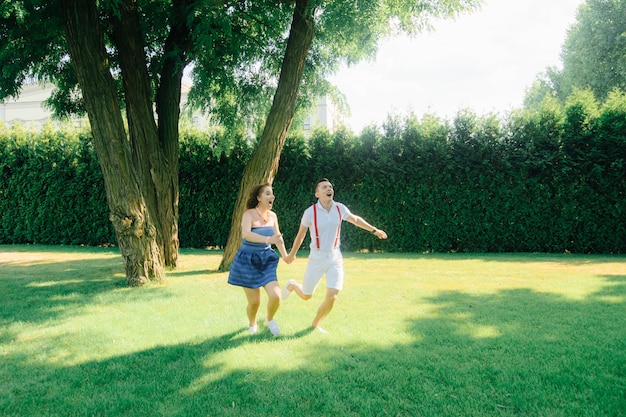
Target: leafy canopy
[(233, 54), (593, 55)]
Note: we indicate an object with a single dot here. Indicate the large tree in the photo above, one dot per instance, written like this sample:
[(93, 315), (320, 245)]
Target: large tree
[(343, 29), (107, 56), (263, 164), (110, 56), (593, 55)]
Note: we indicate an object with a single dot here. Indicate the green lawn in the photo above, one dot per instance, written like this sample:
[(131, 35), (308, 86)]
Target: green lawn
[(411, 335)]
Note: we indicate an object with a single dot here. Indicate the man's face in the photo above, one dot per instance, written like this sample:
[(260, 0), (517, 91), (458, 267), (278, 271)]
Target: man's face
[(324, 191)]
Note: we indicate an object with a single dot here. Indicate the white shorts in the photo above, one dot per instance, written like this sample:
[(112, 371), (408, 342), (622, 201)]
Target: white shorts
[(320, 263)]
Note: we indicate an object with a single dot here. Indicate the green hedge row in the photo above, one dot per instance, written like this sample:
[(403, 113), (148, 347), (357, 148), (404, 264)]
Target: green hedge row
[(51, 189), (552, 180)]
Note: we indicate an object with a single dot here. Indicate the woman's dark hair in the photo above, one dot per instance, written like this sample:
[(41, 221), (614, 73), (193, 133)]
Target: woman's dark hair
[(254, 193)]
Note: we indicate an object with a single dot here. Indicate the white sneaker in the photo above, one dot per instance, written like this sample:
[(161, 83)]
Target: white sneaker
[(322, 331), (273, 326), (286, 292), (253, 329)]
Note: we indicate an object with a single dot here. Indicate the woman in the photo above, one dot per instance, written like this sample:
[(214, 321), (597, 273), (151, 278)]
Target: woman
[(254, 265)]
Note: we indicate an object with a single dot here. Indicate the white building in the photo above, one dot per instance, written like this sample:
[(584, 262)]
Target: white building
[(326, 115), (28, 110)]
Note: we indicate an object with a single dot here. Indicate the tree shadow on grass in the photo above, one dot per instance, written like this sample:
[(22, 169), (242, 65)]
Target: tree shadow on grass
[(204, 257), (44, 289), (513, 353), (180, 274)]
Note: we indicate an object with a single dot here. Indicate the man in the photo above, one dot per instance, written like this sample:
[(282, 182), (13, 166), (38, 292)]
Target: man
[(323, 220)]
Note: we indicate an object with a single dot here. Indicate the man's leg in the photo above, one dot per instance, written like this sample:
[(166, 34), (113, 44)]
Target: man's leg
[(334, 284), (325, 307), (292, 285), (315, 269)]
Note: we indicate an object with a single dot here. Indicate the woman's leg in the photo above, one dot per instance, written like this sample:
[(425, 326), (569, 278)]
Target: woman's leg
[(273, 299), (254, 301)]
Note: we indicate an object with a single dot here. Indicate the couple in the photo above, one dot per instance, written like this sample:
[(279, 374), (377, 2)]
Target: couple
[(254, 265)]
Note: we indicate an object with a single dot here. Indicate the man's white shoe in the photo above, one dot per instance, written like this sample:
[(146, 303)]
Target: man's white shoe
[(286, 292), (322, 331), (273, 326)]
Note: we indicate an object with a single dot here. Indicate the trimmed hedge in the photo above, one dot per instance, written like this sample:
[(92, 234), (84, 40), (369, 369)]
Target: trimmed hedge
[(552, 180), (51, 189)]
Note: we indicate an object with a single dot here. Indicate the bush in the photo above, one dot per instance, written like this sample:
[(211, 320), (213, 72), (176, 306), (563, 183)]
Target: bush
[(547, 180)]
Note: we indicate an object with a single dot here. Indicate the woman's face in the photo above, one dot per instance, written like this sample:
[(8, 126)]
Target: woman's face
[(266, 197)]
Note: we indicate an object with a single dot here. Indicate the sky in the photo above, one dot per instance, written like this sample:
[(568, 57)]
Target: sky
[(483, 61)]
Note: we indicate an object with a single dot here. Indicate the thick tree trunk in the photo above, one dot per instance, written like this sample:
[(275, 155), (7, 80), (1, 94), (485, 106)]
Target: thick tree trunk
[(263, 164), (156, 160), (168, 109), (135, 231)]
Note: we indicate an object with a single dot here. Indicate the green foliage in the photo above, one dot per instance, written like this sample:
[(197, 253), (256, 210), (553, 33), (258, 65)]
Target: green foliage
[(551, 179), (233, 49), (208, 186), (52, 189), (592, 55)]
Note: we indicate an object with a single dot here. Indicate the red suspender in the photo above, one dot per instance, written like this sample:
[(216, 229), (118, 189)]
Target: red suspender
[(317, 235), (338, 228)]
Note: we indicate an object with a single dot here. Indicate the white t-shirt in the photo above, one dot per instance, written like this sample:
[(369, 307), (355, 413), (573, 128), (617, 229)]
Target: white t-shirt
[(328, 225)]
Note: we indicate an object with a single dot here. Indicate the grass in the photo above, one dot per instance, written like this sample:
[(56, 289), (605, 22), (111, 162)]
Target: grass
[(411, 335)]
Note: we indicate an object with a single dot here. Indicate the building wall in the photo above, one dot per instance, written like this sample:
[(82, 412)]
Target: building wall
[(325, 115), (27, 109)]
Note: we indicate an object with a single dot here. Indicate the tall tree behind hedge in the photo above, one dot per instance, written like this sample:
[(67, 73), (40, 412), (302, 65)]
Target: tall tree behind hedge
[(593, 55)]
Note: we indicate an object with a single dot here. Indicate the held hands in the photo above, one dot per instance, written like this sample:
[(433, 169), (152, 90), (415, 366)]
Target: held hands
[(277, 240), (290, 258)]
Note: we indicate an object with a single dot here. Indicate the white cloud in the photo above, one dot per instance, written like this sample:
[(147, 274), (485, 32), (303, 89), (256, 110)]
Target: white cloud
[(483, 61)]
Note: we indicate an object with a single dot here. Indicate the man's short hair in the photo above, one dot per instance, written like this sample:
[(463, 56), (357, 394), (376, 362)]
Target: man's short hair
[(320, 181)]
